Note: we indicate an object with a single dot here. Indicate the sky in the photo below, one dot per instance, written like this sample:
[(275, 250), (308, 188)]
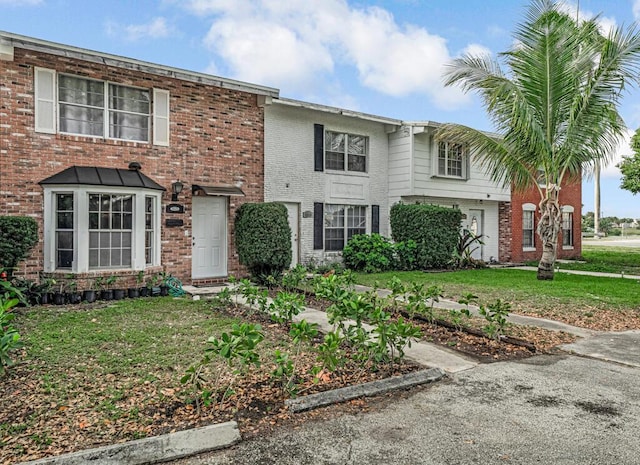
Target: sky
[(375, 56)]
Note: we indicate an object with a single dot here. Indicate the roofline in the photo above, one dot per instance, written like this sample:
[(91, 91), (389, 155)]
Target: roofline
[(39, 45), (336, 110)]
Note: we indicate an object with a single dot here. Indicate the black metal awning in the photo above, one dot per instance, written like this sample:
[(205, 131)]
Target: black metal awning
[(94, 176), (216, 190)]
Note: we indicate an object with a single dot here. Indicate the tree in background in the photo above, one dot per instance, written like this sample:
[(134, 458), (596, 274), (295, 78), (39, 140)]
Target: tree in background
[(630, 167), (555, 109)]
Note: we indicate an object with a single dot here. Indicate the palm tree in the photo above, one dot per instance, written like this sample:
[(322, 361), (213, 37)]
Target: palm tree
[(555, 109)]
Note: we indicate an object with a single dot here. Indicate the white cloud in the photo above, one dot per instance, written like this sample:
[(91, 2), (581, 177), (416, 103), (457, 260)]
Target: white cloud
[(157, 28), (605, 23), (636, 9), (296, 45), (624, 149), (20, 2)]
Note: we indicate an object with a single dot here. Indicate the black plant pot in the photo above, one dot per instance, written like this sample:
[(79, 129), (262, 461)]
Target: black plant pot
[(133, 292), (144, 292), (90, 295), (45, 298), (74, 298), (155, 291), (107, 294), (164, 291), (119, 294), (59, 298)]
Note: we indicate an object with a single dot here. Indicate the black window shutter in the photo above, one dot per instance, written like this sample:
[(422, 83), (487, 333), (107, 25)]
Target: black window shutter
[(375, 219), (318, 221), (318, 147)]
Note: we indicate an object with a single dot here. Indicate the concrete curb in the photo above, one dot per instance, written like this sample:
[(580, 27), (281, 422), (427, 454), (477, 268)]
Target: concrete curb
[(362, 390), (154, 449)]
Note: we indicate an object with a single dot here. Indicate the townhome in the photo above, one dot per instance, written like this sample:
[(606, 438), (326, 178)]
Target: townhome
[(329, 167), (127, 166)]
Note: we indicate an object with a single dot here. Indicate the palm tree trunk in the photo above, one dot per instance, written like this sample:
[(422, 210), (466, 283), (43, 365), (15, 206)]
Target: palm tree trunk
[(548, 229)]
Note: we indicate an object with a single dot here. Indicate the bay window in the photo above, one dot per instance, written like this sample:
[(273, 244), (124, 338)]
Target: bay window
[(101, 227)]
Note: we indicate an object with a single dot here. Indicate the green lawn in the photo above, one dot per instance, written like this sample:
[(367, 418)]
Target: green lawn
[(566, 293), (607, 259)]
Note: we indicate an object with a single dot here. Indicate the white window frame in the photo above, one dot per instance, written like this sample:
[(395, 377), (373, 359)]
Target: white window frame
[(347, 211), (81, 226), (47, 109), (529, 209), (105, 108), (567, 210), (464, 162), (345, 154)]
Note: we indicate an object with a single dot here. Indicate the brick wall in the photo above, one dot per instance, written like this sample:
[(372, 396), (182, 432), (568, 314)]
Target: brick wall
[(506, 232), (570, 194), (216, 137)]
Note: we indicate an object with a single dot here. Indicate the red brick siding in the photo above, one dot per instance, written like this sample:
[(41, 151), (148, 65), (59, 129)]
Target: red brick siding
[(505, 231), (570, 194), (216, 136)]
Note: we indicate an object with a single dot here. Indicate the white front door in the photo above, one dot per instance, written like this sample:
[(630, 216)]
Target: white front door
[(475, 226), (209, 237), (294, 223)]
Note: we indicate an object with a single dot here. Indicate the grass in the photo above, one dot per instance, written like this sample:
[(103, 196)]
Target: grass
[(596, 302), (606, 260)]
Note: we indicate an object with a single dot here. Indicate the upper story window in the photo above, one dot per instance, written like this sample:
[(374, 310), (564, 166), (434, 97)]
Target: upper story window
[(346, 152), (80, 106), (452, 160)]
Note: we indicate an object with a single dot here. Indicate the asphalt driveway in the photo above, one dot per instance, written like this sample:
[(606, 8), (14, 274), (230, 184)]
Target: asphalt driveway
[(544, 410)]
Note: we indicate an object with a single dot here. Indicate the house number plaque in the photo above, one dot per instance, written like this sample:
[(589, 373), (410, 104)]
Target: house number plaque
[(175, 208)]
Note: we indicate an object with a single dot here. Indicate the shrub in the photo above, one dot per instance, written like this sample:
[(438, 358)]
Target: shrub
[(434, 229), (18, 235), (369, 253), (263, 239)]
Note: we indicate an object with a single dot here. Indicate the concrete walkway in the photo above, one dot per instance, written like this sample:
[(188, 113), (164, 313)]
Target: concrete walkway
[(622, 347)]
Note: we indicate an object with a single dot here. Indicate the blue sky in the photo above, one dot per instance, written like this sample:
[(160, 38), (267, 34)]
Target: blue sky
[(375, 56)]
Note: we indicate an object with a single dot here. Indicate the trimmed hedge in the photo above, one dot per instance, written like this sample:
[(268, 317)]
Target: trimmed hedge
[(263, 238), (18, 235), (434, 229)]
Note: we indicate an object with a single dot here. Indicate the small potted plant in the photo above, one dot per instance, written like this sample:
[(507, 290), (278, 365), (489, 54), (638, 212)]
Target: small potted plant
[(118, 293), (134, 292), (162, 278), (45, 288), (90, 295), (102, 284), (73, 296), (153, 285), (60, 296), (142, 286)]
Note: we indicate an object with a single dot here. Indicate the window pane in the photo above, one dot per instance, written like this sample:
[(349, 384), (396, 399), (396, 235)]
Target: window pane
[(94, 202), (93, 221), (73, 89), (93, 240), (335, 161), (65, 202), (334, 142), (128, 127), (357, 145), (105, 240), (65, 240), (357, 163), (116, 221), (128, 99), (93, 259), (64, 259), (104, 220)]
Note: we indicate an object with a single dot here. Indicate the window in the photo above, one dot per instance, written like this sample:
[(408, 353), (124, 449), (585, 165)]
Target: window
[(528, 226), (341, 222), (98, 228), (64, 231), (110, 229), (346, 152), (82, 109), (96, 108), (567, 226), (452, 160)]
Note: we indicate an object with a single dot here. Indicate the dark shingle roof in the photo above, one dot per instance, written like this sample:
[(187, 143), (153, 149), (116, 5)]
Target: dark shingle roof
[(89, 175)]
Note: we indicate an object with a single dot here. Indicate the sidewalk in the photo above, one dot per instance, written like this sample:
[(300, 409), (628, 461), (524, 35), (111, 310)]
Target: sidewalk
[(584, 273)]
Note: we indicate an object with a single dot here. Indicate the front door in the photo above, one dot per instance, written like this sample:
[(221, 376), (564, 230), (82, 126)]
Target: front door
[(475, 226), (209, 237), (294, 214)]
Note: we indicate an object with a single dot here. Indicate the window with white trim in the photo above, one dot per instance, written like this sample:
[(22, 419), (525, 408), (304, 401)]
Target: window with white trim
[(452, 160), (346, 152), (89, 107), (528, 226), (99, 228), (341, 222), (567, 226)]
